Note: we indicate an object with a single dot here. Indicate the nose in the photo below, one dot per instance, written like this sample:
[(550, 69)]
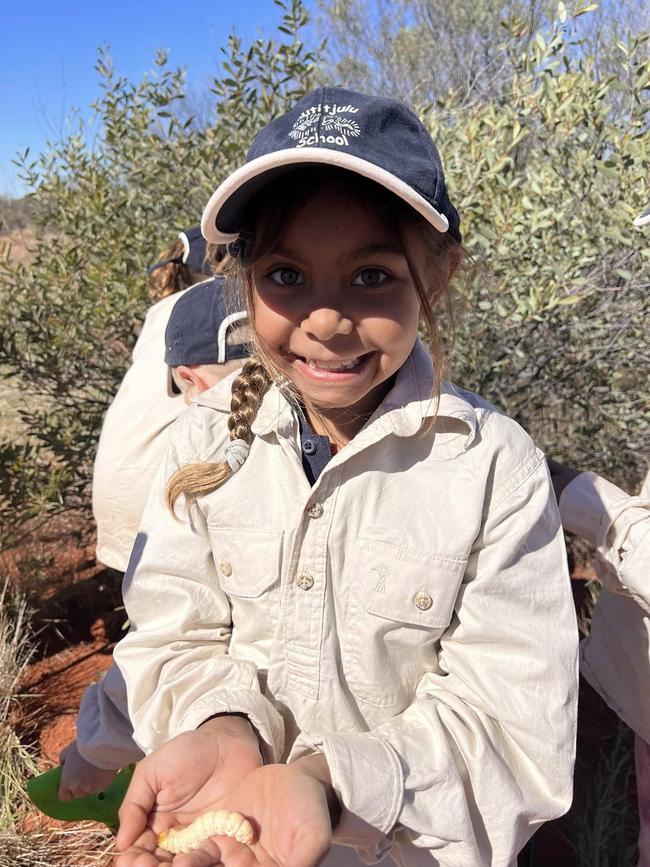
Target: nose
[(324, 323)]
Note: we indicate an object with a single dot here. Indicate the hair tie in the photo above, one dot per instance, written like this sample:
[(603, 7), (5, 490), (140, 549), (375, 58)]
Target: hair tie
[(236, 454)]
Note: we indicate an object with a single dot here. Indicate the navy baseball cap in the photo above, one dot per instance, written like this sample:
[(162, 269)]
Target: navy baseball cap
[(197, 329), (373, 136), (193, 255)]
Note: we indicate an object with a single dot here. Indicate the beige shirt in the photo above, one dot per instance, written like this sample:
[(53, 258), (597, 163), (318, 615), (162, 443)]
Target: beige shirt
[(133, 440), (615, 658), (410, 615)]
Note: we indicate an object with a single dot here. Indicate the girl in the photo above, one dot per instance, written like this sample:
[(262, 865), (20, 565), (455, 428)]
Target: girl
[(351, 620)]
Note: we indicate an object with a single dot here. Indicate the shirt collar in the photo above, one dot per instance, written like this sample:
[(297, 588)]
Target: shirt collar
[(411, 399), (404, 408)]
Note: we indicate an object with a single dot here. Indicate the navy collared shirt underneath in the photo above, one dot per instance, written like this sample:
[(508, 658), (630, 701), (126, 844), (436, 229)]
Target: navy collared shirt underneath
[(316, 450)]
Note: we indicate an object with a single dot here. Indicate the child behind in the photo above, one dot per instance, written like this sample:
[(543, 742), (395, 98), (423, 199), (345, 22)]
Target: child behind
[(134, 434), (194, 361), (361, 579)]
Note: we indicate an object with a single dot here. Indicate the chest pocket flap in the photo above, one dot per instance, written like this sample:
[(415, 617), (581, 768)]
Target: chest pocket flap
[(401, 584), (247, 561)]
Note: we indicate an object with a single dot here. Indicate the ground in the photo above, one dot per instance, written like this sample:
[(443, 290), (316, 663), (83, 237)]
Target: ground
[(76, 617)]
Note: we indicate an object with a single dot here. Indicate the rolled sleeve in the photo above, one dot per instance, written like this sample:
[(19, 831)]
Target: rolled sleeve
[(485, 752), (618, 525), (104, 730), (175, 659)]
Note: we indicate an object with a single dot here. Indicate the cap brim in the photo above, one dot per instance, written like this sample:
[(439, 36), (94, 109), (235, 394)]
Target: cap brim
[(223, 217)]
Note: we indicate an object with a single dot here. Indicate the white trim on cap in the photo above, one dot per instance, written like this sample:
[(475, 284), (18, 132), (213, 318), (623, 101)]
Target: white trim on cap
[(223, 331), (325, 156)]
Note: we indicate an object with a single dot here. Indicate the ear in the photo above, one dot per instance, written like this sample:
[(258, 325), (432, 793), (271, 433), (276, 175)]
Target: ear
[(194, 379)]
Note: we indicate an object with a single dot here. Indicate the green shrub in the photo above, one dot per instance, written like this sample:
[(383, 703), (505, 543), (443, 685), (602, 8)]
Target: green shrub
[(547, 175), (555, 316), (104, 202)]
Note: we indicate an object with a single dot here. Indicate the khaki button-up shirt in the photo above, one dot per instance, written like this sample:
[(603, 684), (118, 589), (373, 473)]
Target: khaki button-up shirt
[(409, 615)]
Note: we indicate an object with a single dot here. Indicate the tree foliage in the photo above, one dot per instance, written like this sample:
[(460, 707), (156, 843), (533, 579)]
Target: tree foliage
[(104, 202), (547, 169), (424, 50), (548, 180)]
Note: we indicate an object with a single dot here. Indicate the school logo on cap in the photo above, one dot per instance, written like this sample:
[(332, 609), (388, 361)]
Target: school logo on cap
[(335, 129)]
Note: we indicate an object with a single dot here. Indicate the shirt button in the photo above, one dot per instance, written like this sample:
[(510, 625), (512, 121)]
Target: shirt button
[(305, 582), (309, 447), (422, 600), (315, 510), (225, 568)]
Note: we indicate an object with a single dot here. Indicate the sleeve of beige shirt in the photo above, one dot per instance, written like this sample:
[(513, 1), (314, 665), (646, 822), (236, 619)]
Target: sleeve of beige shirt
[(618, 525), (485, 752), (104, 730), (175, 659)]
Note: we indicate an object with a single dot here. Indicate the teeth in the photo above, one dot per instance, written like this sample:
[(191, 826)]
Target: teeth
[(341, 365)]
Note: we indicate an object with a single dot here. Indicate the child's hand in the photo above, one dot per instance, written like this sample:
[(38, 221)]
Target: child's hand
[(180, 781), (79, 777), (288, 808), (292, 809)]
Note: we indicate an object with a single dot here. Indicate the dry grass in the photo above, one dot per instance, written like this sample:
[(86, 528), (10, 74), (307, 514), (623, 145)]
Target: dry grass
[(16, 760), (603, 833), (80, 846)]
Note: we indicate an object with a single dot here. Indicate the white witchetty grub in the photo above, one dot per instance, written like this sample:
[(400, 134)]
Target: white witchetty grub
[(178, 841)]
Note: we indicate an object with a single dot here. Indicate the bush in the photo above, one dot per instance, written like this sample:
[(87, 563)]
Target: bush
[(548, 181), (547, 176), (104, 202)]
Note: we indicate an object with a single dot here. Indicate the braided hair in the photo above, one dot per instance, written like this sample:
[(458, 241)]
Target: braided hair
[(198, 479)]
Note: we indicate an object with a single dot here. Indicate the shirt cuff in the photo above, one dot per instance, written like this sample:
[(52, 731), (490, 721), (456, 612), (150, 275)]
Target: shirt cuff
[(104, 734), (589, 505), (360, 766), (262, 714)]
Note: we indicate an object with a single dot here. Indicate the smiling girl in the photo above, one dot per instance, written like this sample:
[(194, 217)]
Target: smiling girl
[(351, 619)]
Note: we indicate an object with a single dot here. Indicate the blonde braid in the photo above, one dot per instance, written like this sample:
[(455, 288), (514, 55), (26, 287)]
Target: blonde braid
[(199, 479)]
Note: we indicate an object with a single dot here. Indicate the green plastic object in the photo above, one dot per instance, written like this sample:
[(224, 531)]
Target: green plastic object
[(100, 807)]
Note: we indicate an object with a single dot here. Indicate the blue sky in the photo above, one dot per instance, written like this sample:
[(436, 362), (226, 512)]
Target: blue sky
[(50, 48)]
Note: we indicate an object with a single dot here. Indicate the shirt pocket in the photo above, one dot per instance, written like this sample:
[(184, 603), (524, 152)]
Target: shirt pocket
[(248, 564), (400, 602)]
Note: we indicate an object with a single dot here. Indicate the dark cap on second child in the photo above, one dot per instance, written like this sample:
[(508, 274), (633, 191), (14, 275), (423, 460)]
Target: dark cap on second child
[(193, 255), (373, 136), (198, 327)]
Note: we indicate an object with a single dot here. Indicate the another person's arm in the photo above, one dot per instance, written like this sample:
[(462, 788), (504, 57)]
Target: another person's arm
[(104, 742), (617, 524)]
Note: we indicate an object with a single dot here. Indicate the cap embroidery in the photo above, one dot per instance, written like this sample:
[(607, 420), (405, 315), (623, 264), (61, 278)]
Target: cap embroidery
[(336, 129)]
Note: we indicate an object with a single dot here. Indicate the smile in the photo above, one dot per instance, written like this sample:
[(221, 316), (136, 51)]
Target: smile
[(343, 368)]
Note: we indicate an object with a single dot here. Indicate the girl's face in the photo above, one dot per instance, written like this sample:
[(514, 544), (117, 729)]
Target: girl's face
[(335, 306)]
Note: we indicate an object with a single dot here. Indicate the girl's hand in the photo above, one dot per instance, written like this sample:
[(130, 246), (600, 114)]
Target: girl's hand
[(290, 808), (79, 777), (180, 781)]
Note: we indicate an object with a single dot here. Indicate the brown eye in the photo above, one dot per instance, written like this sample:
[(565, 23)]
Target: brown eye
[(370, 277), (286, 277)]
